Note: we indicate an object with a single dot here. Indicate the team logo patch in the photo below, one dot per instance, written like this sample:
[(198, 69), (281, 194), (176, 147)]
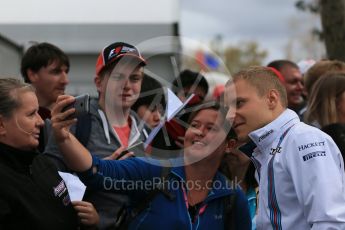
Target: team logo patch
[(313, 155), (114, 52), (60, 189), (276, 150), (126, 49), (310, 145), (265, 135), (218, 217)]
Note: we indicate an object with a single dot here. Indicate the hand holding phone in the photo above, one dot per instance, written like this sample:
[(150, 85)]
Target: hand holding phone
[(81, 105), (137, 149)]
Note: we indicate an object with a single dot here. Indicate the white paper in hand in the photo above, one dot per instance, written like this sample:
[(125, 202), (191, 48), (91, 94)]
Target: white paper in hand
[(174, 104), (75, 187)]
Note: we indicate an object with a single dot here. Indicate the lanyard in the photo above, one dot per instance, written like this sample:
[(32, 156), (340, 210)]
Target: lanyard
[(201, 210)]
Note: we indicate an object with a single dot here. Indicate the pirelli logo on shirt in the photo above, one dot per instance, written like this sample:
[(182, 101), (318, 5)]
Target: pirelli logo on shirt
[(313, 155), (310, 145)]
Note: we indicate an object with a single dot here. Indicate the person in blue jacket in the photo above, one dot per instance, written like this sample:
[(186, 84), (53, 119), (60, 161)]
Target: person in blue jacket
[(195, 192)]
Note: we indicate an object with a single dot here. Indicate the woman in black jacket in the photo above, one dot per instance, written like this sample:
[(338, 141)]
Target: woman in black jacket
[(32, 194)]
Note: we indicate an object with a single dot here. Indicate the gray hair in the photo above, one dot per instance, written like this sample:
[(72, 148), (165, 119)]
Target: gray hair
[(9, 88)]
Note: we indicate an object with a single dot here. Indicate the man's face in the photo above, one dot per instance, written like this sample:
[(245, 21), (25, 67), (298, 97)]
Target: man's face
[(294, 85), (152, 116), (247, 110), (122, 87), (50, 82)]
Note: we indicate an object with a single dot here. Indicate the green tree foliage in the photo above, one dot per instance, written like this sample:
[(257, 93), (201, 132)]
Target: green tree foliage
[(243, 55), (332, 13)]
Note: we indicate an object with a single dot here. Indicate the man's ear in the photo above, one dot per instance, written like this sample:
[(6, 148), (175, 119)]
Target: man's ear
[(32, 76), (3, 130), (98, 82), (273, 98)]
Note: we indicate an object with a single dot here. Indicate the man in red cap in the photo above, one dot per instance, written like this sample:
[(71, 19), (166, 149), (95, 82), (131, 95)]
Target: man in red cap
[(119, 74)]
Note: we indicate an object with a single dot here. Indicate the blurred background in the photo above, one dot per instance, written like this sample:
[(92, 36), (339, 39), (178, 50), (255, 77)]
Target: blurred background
[(219, 36)]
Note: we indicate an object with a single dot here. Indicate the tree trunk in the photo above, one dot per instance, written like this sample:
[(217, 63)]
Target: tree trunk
[(333, 23)]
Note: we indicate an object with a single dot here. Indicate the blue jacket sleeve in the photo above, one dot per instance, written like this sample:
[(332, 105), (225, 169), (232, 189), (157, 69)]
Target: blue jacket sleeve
[(122, 176), (242, 215)]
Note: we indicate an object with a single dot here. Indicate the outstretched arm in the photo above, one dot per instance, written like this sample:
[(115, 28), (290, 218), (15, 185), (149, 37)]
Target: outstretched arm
[(76, 156)]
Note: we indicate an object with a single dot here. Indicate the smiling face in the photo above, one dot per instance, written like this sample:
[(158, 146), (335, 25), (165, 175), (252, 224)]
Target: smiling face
[(247, 110), (205, 137), (293, 85), (22, 129)]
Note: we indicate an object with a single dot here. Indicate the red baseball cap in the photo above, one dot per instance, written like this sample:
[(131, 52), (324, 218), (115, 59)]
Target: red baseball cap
[(115, 51)]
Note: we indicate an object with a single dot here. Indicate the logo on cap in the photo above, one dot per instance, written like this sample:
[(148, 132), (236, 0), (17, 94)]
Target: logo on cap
[(126, 49), (114, 52)]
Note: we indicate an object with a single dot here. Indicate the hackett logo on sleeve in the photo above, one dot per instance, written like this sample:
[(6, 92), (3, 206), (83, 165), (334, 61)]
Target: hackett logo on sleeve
[(310, 145)]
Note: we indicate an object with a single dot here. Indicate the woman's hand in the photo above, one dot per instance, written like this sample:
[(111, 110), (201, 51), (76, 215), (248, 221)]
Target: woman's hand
[(60, 123), (118, 153), (86, 212)]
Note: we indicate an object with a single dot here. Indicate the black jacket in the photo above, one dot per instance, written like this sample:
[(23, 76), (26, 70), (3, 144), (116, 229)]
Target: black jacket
[(32, 194)]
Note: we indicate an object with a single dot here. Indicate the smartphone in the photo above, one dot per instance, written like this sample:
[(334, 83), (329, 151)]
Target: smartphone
[(137, 148), (81, 105)]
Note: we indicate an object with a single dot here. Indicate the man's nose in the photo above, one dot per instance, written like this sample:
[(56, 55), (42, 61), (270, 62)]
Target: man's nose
[(156, 115), (126, 84), (300, 86), (64, 78), (230, 115)]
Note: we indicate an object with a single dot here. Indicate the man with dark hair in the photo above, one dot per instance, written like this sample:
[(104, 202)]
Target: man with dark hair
[(45, 66), (189, 82), (293, 82), (150, 105)]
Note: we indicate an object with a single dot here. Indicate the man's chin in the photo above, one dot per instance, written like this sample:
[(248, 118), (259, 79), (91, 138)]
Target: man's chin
[(296, 102), (243, 138)]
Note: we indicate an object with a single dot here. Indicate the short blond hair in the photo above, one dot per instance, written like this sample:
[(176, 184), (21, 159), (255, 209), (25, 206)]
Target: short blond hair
[(263, 79)]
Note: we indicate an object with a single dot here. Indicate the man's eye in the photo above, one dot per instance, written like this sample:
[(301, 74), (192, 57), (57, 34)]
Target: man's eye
[(239, 103), (116, 77), (55, 71), (135, 79)]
